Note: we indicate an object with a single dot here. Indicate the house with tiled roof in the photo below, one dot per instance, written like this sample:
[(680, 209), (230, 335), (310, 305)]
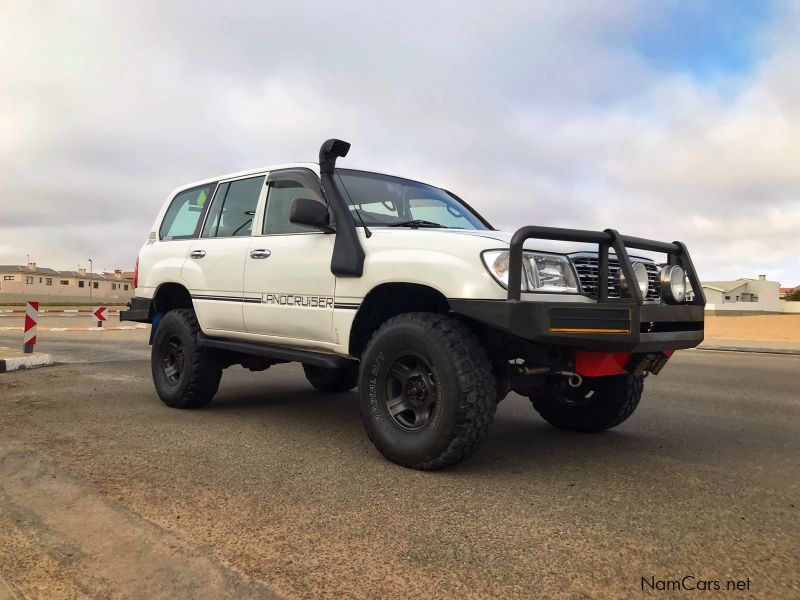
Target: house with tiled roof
[(788, 291), (19, 283)]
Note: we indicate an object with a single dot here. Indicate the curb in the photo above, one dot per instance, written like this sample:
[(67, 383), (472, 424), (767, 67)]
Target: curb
[(25, 362), (120, 328), (87, 311), (60, 313), (781, 351)]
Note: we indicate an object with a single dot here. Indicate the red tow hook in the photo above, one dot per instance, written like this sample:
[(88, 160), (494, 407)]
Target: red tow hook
[(602, 364)]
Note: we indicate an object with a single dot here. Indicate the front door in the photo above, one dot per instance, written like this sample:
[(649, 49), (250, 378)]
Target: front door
[(288, 284)]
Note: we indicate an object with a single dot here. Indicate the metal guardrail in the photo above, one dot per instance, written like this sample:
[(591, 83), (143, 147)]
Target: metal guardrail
[(676, 252)]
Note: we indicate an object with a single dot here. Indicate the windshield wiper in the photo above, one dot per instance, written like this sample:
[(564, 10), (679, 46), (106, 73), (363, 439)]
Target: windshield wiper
[(417, 223)]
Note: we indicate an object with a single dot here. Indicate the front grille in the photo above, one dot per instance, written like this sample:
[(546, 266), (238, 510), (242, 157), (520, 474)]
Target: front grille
[(586, 266)]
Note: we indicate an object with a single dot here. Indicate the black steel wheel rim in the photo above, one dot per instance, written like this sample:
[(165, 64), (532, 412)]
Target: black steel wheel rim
[(173, 359), (411, 394)]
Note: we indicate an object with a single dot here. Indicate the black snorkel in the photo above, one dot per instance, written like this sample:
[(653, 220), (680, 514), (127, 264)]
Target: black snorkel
[(348, 254)]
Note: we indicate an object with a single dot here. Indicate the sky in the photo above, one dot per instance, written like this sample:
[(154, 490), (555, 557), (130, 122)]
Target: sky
[(674, 120)]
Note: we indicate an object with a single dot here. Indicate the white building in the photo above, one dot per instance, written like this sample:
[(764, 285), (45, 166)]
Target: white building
[(742, 295), (19, 283)]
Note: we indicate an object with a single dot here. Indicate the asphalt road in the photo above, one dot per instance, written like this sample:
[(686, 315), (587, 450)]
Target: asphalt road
[(274, 489)]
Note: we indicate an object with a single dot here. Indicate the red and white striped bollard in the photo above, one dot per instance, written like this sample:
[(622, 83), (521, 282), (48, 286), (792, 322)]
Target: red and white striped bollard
[(31, 320)]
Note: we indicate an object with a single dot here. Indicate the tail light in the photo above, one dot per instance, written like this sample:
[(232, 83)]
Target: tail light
[(136, 274)]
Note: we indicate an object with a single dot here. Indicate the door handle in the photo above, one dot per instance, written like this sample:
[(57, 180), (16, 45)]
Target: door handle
[(197, 253), (260, 253)]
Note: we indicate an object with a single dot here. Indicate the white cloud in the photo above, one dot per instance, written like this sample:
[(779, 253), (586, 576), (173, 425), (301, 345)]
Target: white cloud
[(534, 114)]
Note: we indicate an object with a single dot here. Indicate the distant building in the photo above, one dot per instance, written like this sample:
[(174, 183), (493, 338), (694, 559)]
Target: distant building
[(19, 283), (742, 295), (787, 291)]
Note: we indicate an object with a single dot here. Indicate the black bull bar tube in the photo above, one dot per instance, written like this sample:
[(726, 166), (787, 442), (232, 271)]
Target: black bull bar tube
[(676, 252)]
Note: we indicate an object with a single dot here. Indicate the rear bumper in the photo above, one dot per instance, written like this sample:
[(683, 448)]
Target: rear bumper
[(139, 310), (610, 327)]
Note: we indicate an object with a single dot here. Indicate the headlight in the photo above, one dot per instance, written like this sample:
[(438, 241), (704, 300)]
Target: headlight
[(640, 273), (540, 272), (673, 284)]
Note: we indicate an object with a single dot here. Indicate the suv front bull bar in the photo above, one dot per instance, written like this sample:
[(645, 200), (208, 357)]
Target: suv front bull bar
[(677, 254), (624, 324)]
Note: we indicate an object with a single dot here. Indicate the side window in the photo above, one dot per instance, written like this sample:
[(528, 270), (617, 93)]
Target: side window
[(183, 216), (233, 208), (282, 192)]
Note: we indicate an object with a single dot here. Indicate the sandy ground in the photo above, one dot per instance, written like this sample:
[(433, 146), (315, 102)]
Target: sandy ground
[(761, 327)]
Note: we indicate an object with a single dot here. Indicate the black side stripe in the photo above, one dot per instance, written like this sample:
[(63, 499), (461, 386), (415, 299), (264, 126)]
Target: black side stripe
[(340, 305), (229, 299), (346, 305)]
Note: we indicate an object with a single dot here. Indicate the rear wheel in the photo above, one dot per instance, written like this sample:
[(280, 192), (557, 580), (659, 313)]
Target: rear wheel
[(185, 375), (332, 380), (427, 390), (598, 404)]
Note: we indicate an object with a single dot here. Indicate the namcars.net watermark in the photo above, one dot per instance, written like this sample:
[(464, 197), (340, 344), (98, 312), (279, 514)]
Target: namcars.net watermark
[(691, 583)]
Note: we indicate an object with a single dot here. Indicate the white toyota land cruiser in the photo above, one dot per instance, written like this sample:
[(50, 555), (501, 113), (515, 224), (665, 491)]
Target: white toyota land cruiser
[(403, 290)]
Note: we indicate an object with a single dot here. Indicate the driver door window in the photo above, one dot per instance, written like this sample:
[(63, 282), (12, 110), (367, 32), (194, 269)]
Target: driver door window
[(281, 194)]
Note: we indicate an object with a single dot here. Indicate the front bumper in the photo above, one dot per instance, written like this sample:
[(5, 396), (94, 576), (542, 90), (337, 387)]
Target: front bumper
[(610, 327)]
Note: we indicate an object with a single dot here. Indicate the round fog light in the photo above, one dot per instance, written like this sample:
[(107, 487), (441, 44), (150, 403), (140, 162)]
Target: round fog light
[(673, 284), (640, 273)]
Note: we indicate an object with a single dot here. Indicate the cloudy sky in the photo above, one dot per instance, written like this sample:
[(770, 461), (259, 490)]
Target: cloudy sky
[(673, 120)]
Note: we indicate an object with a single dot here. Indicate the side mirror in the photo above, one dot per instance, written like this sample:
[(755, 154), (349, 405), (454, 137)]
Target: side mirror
[(311, 213)]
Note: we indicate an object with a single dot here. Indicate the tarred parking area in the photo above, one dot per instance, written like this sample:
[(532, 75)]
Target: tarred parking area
[(275, 489)]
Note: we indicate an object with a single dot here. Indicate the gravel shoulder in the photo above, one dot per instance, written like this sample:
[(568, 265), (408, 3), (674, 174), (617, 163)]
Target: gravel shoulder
[(768, 328)]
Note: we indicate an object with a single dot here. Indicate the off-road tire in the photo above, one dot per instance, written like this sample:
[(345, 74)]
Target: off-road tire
[(200, 371), (614, 400), (463, 387), (333, 381)]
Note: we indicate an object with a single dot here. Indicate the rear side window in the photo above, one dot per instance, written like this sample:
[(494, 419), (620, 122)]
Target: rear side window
[(234, 208), (184, 214)]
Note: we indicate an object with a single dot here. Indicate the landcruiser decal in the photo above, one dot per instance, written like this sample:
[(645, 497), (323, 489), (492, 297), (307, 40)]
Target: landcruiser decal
[(299, 300)]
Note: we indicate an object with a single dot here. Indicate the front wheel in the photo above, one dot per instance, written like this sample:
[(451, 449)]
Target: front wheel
[(427, 390), (185, 375), (598, 404)]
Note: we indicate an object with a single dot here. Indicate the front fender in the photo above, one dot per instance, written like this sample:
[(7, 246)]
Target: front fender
[(451, 275)]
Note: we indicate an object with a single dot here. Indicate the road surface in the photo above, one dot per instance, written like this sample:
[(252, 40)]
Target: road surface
[(274, 489)]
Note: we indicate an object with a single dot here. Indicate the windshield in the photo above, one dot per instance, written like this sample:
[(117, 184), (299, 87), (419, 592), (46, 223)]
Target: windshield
[(382, 200)]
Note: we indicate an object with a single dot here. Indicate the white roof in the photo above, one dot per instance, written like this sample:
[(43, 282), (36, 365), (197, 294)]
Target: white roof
[(725, 286), (239, 174)]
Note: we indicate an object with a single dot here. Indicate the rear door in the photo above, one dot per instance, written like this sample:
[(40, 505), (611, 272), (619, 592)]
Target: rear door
[(288, 284), (163, 260), (214, 270)]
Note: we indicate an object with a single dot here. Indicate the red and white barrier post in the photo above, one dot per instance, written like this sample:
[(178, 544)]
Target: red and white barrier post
[(101, 314), (31, 320)]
